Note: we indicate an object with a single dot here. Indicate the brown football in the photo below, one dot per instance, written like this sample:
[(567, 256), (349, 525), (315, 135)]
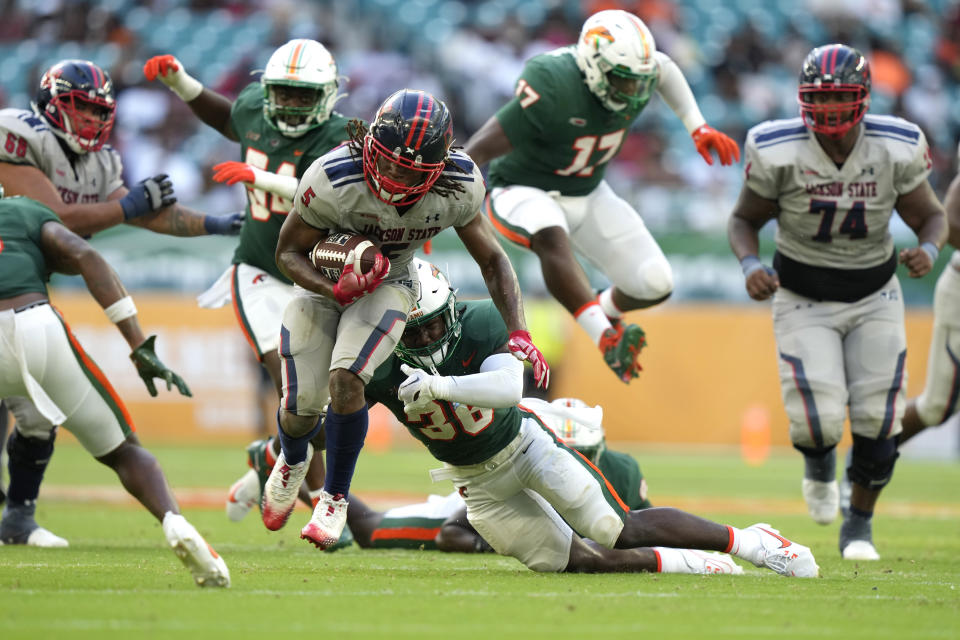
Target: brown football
[(329, 255)]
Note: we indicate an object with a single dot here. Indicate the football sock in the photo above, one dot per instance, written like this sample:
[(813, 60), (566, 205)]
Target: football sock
[(27, 461), (857, 525), (670, 560), (608, 305), (345, 436), (819, 465), (295, 449), (593, 320)]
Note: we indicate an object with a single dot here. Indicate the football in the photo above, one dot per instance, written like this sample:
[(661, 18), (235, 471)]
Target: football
[(328, 255)]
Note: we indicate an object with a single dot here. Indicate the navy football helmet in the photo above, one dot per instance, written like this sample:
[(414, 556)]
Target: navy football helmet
[(76, 99), (405, 150), (834, 90)]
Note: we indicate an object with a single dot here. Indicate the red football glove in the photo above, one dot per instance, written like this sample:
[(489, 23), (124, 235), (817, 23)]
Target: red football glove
[(353, 284), (233, 172), (707, 138), (522, 347), (159, 65)]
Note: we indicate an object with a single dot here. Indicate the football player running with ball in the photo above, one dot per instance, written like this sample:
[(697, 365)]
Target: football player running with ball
[(550, 146), (57, 153), (283, 123), (41, 360), (456, 388), (398, 183), (832, 178)]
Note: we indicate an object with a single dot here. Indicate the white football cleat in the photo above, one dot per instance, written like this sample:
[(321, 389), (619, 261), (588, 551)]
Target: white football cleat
[(207, 567), (328, 520), (244, 495), (40, 537), (823, 500), (281, 491), (763, 545), (696, 561), (860, 550)]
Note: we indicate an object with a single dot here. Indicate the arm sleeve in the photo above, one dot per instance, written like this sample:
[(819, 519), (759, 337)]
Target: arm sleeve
[(498, 384), (283, 186), (676, 93), (915, 169)]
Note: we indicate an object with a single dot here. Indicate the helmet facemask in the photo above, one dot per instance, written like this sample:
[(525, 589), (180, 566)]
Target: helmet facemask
[(627, 90), (76, 98), (419, 177), (283, 109), (843, 108), (433, 325)]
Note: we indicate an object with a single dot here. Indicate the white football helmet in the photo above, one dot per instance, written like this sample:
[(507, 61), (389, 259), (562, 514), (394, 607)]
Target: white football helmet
[(616, 53), (575, 423), (303, 64), (437, 298)]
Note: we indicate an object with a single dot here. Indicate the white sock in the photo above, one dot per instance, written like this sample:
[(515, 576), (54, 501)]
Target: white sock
[(593, 320), (608, 305)]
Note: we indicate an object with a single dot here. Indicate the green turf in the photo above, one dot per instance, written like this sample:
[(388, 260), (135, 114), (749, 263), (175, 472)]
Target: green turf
[(117, 580)]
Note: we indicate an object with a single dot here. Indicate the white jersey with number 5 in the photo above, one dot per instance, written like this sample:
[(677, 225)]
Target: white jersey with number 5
[(830, 216), (26, 139)]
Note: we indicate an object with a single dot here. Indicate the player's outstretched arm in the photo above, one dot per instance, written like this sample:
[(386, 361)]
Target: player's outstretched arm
[(83, 219), (173, 219), (923, 213), (480, 240), (211, 107), (743, 231), (66, 252), (679, 97), (489, 142), (232, 172)]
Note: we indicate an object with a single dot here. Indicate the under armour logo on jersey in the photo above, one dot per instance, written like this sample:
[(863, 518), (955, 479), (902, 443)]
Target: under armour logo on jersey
[(436, 218)]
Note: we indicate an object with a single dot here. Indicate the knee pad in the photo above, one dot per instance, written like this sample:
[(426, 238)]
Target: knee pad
[(31, 452), (655, 281), (872, 463)]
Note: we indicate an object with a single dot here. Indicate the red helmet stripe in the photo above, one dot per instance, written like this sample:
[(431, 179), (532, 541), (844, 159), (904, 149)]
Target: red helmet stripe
[(97, 80), (414, 121), (833, 60), (426, 122)]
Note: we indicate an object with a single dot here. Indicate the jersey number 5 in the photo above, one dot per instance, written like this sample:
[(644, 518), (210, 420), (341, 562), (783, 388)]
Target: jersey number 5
[(438, 422), (585, 146), (262, 203), (854, 223)]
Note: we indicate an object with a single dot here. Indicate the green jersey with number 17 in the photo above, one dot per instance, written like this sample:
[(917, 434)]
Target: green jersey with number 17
[(562, 136), (267, 149), (456, 433)]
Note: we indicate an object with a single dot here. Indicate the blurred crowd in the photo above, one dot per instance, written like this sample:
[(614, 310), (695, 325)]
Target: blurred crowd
[(741, 58)]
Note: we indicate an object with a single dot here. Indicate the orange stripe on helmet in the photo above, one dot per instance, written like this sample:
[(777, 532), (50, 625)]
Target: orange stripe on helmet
[(292, 65)]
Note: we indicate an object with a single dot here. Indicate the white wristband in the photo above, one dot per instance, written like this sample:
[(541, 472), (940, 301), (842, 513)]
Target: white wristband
[(182, 83), (121, 310)]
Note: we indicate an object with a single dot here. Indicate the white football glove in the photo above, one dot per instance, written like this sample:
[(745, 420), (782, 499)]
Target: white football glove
[(419, 388)]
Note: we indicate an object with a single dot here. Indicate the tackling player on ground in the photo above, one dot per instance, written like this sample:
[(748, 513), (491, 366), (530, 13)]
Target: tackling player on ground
[(42, 361), (399, 183), (57, 154), (550, 147), (283, 123), (832, 178), (528, 494)]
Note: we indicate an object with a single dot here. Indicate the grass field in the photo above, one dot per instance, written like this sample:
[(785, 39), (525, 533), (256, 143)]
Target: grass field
[(118, 580)]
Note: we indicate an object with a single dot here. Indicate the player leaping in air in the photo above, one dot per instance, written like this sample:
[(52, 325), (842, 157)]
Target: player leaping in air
[(400, 183), (550, 146)]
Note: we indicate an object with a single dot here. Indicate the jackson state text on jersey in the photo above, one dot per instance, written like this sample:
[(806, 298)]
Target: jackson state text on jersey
[(333, 195), (26, 139), (833, 216)]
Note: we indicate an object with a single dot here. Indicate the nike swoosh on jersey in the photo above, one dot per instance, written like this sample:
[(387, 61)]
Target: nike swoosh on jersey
[(467, 362)]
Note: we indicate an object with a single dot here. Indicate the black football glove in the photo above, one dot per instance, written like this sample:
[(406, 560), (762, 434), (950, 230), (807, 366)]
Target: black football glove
[(147, 196), (150, 367)]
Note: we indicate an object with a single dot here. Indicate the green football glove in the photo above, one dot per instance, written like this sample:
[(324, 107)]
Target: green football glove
[(149, 367)]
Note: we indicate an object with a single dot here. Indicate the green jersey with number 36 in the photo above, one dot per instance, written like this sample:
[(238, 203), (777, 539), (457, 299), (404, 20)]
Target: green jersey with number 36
[(267, 149), (562, 136), (456, 433)]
